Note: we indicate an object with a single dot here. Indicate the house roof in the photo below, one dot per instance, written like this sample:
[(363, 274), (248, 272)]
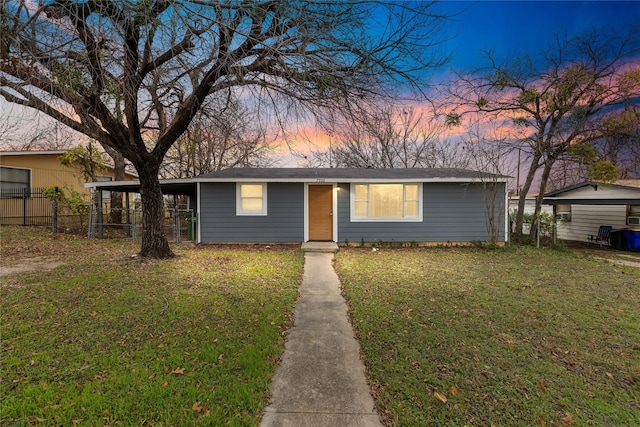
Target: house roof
[(630, 194), (132, 174), (188, 185), (349, 174)]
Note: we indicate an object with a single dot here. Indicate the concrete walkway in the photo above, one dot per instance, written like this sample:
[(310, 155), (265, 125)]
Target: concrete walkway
[(320, 381)]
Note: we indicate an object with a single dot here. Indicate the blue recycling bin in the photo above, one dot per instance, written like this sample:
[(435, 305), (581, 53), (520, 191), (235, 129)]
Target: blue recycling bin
[(632, 236)]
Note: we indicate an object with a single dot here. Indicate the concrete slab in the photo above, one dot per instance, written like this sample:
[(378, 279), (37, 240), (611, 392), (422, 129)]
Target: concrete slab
[(319, 312), (318, 420), (321, 379), (321, 247)]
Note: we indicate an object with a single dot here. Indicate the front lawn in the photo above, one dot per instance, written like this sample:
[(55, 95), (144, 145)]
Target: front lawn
[(510, 337), (106, 340)]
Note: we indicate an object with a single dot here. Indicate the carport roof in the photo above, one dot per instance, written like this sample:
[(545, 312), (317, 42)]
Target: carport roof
[(563, 196), (185, 186)]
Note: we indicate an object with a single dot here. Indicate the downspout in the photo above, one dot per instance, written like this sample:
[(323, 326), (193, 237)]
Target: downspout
[(507, 219)]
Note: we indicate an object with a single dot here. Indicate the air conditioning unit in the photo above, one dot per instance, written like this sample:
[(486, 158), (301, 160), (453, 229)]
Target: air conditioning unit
[(633, 220), (563, 216)]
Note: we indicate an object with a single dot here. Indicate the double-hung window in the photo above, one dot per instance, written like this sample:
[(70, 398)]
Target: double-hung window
[(251, 199), (386, 202)]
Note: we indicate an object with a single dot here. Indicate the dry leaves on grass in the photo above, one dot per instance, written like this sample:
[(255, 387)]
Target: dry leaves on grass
[(567, 420), (441, 397), (199, 409)]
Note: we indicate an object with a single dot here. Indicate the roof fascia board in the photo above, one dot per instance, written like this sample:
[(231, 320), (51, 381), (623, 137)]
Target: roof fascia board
[(132, 182), (353, 180), (32, 153), (583, 201)]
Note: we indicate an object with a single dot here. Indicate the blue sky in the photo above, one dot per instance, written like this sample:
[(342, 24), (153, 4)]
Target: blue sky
[(527, 26)]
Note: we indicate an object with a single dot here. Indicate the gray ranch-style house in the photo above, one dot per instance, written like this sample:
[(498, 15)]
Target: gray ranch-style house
[(286, 205)]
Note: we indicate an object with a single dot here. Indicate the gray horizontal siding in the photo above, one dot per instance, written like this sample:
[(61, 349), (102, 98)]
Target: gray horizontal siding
[(452, 212), (284, 221)]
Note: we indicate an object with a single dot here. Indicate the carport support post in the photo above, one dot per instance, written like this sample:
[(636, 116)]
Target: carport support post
[(555, 225), (176, 219), (127, 214), (100, 225)]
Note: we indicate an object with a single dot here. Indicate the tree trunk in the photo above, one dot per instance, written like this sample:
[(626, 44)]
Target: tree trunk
[(154, 238), (523, 195), (543, 186)]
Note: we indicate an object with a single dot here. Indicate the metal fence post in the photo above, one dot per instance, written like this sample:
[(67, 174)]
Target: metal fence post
[(25, 192), (54, 216)]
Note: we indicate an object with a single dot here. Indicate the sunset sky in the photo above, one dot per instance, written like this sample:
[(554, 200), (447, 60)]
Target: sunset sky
[(506, 27), (513, 28)]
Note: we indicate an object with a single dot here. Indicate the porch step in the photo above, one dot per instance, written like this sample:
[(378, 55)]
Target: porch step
[(324, 247)]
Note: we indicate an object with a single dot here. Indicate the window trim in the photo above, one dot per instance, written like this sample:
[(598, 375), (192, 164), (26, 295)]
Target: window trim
[(563, 212), (631, 214), (239, 211), (418, 218)]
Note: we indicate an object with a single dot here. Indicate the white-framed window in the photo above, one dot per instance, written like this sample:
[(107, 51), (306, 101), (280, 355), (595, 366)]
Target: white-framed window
[(15, 182), (251, 198), (386, 202)]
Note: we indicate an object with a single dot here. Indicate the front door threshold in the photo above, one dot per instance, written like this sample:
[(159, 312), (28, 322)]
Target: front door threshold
[(324, 247)]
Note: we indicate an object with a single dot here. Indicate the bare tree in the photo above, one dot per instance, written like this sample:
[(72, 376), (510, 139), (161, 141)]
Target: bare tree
[(128, 73), (390, 137), (219, 137), (615, 155), (21, 134), (488, 153), (554, 103), (8, 128)]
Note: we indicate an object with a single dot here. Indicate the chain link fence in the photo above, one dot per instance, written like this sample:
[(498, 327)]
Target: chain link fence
[(30, 207)]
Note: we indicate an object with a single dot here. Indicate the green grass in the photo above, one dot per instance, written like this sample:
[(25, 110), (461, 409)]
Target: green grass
[(106, 340), (510, 337)]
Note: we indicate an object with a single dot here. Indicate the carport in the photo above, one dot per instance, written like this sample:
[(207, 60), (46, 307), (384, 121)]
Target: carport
[(584, 207), (170, 187)]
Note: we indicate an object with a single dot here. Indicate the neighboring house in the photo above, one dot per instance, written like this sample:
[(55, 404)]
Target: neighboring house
[(529, 209), (37, 169), (354, 205), (529, 205), (581, 209), (24, 173)]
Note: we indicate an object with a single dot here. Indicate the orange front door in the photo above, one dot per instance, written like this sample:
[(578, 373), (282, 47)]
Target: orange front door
[(321, 212)]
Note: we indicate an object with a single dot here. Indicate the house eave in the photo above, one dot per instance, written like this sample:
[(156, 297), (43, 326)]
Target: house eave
[(587, 201), (33, 153), (169, 186)]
